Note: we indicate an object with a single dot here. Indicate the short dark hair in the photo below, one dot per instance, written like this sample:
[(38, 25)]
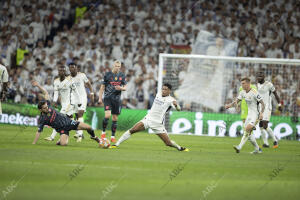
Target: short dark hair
[(246, 79), (168, 85), (71, 63), (41, 103)]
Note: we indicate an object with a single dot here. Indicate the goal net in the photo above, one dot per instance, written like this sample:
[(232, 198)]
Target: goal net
[(204, 84)]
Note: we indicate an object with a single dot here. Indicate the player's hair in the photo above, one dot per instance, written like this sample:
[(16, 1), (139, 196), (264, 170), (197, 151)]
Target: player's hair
[(246, 79), (168, 85), (71, 63), (41, 103), (117, 61)]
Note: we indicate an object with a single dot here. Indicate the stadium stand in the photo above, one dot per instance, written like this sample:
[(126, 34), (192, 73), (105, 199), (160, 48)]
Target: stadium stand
[(37, 34)]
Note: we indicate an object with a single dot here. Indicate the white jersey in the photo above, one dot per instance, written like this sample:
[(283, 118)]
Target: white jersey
[(3, 74), (265, 90), (252, 98), (63, 89), (78, 92), (160, 106), (3, 79)]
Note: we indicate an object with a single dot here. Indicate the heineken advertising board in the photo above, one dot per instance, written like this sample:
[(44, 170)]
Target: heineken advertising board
[(189, 123)]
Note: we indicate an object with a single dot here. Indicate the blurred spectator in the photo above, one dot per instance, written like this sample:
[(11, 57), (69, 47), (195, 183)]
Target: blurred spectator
[(36, 35)]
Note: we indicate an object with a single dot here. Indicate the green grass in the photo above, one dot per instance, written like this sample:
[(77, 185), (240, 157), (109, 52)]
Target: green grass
[(142, 166)]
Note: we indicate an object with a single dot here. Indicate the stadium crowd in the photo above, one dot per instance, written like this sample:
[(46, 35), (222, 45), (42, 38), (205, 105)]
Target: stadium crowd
[(37, 34)]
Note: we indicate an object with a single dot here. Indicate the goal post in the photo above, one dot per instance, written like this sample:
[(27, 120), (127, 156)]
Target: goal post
[(203, 84)]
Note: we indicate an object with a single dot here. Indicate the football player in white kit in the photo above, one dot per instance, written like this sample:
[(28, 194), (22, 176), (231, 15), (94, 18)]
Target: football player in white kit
[(252, 99), (79, 95), (163, 102), (265, 90), (3, 84), (62, 88)]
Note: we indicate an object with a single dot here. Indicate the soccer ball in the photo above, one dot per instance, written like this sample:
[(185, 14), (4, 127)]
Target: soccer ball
[(104, 143)]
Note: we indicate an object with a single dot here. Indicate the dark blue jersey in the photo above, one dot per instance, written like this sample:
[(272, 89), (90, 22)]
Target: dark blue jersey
[(54, 119), (111, 80)]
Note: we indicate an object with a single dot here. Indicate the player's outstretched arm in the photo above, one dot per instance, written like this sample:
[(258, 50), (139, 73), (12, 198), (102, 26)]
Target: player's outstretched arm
[(37, 136), (277, 99), (177, 106), (232, 103), (102, 88), (262, 109), (89, 85), (44, 91)]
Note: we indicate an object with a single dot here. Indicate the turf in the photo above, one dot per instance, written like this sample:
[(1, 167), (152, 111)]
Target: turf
[(143, 168)]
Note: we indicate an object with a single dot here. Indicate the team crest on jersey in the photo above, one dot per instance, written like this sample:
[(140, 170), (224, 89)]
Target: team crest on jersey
[(116, 78)]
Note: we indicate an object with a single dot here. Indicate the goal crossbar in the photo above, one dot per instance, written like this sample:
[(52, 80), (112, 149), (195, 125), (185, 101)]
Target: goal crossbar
[(281, 61)]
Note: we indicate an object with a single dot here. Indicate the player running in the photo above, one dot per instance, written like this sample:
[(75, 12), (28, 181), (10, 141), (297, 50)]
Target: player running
[(265, 89), (79, 95), (3, 83), (62, 89), (252, 99), (60, 122), (155, 118), (113, 84)]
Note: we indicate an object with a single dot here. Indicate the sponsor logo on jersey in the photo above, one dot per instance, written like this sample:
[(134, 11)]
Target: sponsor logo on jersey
[(120, 78), (159, 102)]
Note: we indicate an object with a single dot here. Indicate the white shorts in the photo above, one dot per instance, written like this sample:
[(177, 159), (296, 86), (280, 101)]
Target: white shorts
[(251, 119), (153, 125), (67, 109), (75, 108), (267, 115)]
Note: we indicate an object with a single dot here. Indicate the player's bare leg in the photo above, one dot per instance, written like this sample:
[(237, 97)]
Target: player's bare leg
[(107, 115), (136, 128), (79, 133), (114, 125), (63, 141), (165, 138), (88, 128)]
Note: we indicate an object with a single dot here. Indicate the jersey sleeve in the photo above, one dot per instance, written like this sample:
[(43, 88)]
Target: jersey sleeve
[(41, 125), (240, 96), (171, 102), (271, 87), (84, 78), (4, 76), (105, 80), (258, 97)]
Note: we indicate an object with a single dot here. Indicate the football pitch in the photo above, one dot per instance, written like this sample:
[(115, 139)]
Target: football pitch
[(143, 168)]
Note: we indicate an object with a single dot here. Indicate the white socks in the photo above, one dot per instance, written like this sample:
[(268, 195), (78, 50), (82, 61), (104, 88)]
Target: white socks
[(53, 134), (243, 140), (80, 132), (269, 130), (124, 137), (264, 135), (175, 145), (253, 141)]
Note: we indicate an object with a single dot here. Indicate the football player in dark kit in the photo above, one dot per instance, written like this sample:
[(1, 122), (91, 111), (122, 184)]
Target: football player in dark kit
[(113, 84), (60, 122)]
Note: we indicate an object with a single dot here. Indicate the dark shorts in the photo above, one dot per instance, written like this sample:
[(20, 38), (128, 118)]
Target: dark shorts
[(73, 125), (112, 104)]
